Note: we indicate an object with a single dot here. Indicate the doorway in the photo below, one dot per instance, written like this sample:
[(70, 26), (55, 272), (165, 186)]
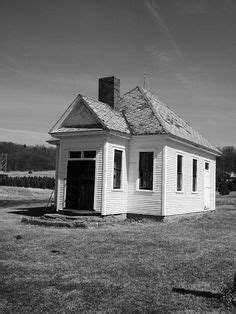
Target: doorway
[(80, 184)]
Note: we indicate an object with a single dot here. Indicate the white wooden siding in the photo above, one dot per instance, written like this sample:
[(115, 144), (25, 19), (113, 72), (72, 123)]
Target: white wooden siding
[(116, 200), (145, 202), (187, 201), (129, 199), (81, 143)]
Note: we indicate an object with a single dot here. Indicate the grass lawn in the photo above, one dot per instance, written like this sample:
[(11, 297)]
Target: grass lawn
[(128, 267)]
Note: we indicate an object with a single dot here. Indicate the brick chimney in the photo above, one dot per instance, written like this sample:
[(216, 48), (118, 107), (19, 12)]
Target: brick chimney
[(109, 91)]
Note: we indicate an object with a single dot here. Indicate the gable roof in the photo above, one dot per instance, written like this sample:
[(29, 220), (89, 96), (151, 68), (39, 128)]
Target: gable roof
[(111, 118), (141, 107), (105, 116), (140, 113)]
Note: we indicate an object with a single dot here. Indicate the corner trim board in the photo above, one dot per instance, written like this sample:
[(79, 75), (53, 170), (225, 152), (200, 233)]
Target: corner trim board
[(104, 178), (164, 155)]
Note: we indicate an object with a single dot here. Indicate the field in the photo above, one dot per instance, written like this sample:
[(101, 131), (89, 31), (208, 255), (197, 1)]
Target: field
[(48, 173), (128, 267)]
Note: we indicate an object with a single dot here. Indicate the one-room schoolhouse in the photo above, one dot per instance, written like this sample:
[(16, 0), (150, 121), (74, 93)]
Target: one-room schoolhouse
[(130, 154)]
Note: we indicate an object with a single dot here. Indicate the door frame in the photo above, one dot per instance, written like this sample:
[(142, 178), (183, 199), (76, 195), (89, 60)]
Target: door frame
[(95, 174)]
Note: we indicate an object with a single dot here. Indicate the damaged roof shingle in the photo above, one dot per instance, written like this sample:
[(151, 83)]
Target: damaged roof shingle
[(141, 113)]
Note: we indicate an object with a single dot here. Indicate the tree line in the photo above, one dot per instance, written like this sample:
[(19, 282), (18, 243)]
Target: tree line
[(225, 165), (38, 158), (25, 158), (29, 182)]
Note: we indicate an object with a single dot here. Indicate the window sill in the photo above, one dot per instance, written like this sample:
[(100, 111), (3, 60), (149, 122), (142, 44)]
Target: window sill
[(117, 190), (146, 191), (194, 192), (179, 192)]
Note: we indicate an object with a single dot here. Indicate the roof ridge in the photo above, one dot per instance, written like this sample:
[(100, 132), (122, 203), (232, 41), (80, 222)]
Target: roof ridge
[(186, 124), (129, 91), (193, 129), (101, 102), (159, 118), (163, 104), (117, 115)]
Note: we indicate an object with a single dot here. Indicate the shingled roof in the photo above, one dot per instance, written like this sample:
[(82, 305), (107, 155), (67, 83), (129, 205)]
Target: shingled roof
[(146, 114), (140, 113), (111, 118), (107, 117)]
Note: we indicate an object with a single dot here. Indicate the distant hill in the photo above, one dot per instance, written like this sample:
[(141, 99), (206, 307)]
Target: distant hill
[(24, 158)]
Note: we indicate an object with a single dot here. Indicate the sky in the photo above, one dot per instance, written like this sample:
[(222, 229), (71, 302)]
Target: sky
[(52, 50)]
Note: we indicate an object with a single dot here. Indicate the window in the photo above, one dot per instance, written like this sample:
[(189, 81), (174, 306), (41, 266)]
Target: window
[(83, 154), (75, 154), (194, 187), (179, 173), (90, 154), (117, 169), (146, 170), (207, 165)]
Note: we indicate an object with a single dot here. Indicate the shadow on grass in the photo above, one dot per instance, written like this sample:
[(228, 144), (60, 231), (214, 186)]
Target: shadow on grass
[(36, 211), (12, 203)]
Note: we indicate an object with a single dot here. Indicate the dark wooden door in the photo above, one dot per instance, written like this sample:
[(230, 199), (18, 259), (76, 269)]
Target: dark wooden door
[(80, 184)]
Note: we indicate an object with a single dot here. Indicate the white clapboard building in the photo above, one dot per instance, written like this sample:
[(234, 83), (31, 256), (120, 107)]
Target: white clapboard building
[(130, 154)]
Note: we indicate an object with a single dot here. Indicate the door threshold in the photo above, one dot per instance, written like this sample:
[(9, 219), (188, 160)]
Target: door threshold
[(78, 212)]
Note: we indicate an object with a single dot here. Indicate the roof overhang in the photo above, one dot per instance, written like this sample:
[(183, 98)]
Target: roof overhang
[(192, 144), (53, 141), (85, 132)]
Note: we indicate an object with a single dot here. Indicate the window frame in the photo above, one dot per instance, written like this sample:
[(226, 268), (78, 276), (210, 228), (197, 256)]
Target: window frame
[(122, 149), (138, 168), (82, 154), (197, 168), (176, 173)]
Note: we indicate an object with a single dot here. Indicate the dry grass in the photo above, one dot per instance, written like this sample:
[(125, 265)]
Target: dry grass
[(130, 267), (13, 196), (46, 173), (226, 199), (19, 193)]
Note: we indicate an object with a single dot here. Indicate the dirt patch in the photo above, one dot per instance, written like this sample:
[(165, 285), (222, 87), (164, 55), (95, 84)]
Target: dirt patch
[(57, 220)]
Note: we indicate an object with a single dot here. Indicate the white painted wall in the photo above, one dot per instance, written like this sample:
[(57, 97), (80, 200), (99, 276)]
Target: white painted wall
[(90, 142), (145, 202), (187, 201), (164, 199), (116, 199)]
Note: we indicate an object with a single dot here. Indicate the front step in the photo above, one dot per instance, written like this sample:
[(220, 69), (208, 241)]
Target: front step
[(74, 212)]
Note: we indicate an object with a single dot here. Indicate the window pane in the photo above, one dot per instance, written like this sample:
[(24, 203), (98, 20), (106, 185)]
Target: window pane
[(90, 154), (179, 182), (117, 169), (146, 170), (75, 154), (179, 163), (207, 165), (179, 172), (194, 187)]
